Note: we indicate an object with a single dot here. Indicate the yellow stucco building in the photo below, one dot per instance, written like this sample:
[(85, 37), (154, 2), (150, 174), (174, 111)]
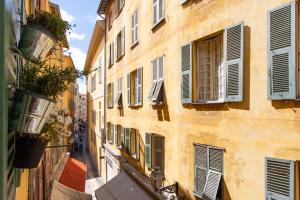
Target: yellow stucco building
[(203, 93)]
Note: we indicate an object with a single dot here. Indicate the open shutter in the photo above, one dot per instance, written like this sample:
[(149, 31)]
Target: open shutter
[(139, 85), (122, 137), (158, 152), (281, 52), (112, 133), (128, 90), (116, 135), (123, 41), (279, 179), (148, 149), (116, 49), (212, 185), (200, 167), (186, 73), (155, 77), (127, 139), (234, 62)]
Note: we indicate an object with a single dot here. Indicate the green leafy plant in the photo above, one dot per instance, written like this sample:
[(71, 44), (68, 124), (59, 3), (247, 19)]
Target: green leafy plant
[(52, 22), (52, 128), (48, 80)]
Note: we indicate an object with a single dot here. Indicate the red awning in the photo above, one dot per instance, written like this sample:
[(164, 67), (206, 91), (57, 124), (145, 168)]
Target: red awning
[(74, 174)]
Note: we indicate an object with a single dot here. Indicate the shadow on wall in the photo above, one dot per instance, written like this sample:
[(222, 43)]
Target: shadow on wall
[(163, 110)]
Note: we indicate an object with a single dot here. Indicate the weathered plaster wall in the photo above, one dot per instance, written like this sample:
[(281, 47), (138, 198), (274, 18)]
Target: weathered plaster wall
[(249, 131)]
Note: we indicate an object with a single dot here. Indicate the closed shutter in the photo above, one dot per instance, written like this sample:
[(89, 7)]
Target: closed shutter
[(161, 9), (123, 42), (112, 95), (186, 74), (234, 61), (148, 149), (107, 95), (137, 144), (216, 159), (281, 52), (139, 86), (155, 11), (158, 152), (127, 139), (112, 133), (136, 26), (110, 56), (122, 137), (132, 29), (116, 135), (212, 185), (200, 167), (128, 89), (279, 179)]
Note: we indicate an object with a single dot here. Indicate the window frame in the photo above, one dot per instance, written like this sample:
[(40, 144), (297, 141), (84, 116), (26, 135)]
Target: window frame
[(156, 7), (152, 138), (134, 29), (157, 77)]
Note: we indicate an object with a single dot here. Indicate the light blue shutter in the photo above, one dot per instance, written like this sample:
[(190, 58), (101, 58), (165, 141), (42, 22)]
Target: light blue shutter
[(234, 61), (186, 73), (200, 157), (128, 90), (281, 52), (122, 137), (140, 86), (279, 179), (127, 139), (123, 41), (148, 149)]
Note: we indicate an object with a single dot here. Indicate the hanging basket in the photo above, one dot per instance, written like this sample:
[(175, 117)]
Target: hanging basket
[(29, 151), (30, 112), (35, 41)]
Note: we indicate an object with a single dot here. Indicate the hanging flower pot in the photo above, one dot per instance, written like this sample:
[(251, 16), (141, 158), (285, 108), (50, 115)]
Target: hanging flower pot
[(35, 41), (29, 151), (30, 112)]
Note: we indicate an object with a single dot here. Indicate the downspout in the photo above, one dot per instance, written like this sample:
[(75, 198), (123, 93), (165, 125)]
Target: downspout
[(105, 99)]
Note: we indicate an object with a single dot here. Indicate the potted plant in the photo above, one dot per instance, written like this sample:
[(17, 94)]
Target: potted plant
[(30, 147), (40, 85), (41, 33)]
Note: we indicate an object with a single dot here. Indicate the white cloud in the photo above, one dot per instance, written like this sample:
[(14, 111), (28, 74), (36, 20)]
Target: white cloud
[(66, 16), (92, 18), (76, 36), (78, 57)]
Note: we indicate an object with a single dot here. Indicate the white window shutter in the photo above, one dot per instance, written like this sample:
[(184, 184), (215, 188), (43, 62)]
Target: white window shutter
[(212, 185), (123, 41), (140, 86), (186, 73), (128, 89), (136, 25), (132, 29), (234, 62), (281, 52), (200, 167), (116, 49)]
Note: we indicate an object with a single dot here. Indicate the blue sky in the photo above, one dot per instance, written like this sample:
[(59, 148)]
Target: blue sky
[(82, 13)]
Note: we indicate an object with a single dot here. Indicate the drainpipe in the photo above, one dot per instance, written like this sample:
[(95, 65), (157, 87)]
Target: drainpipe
[(105, 110)]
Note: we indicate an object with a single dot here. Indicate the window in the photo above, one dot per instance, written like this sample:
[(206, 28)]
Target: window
[(110, 132), (158, 11), (131, 141), (118, 129), (119, 6), (280, 179), (283, 81), (110, 20), (135, 87), (110, 95), (154, 150), (119, 45), (93, 83), (134, 28), (208, 171), (118, 100), (94, 116), (100, 70), (111, 55), (219, 76), (156, 90)]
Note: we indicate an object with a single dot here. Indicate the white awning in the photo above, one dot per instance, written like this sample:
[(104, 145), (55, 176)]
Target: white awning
[(122, 187), (60, 191)]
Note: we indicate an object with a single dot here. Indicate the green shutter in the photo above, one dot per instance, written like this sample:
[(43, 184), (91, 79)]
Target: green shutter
[(148, 149), (234, 61), (279, 179), (128, 90), (186, 73), (281, 52)]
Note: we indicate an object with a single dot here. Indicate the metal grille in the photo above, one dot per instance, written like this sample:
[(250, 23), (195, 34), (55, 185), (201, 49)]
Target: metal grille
[(234, 42), (233, 79), (280, 28), (280, 73)]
